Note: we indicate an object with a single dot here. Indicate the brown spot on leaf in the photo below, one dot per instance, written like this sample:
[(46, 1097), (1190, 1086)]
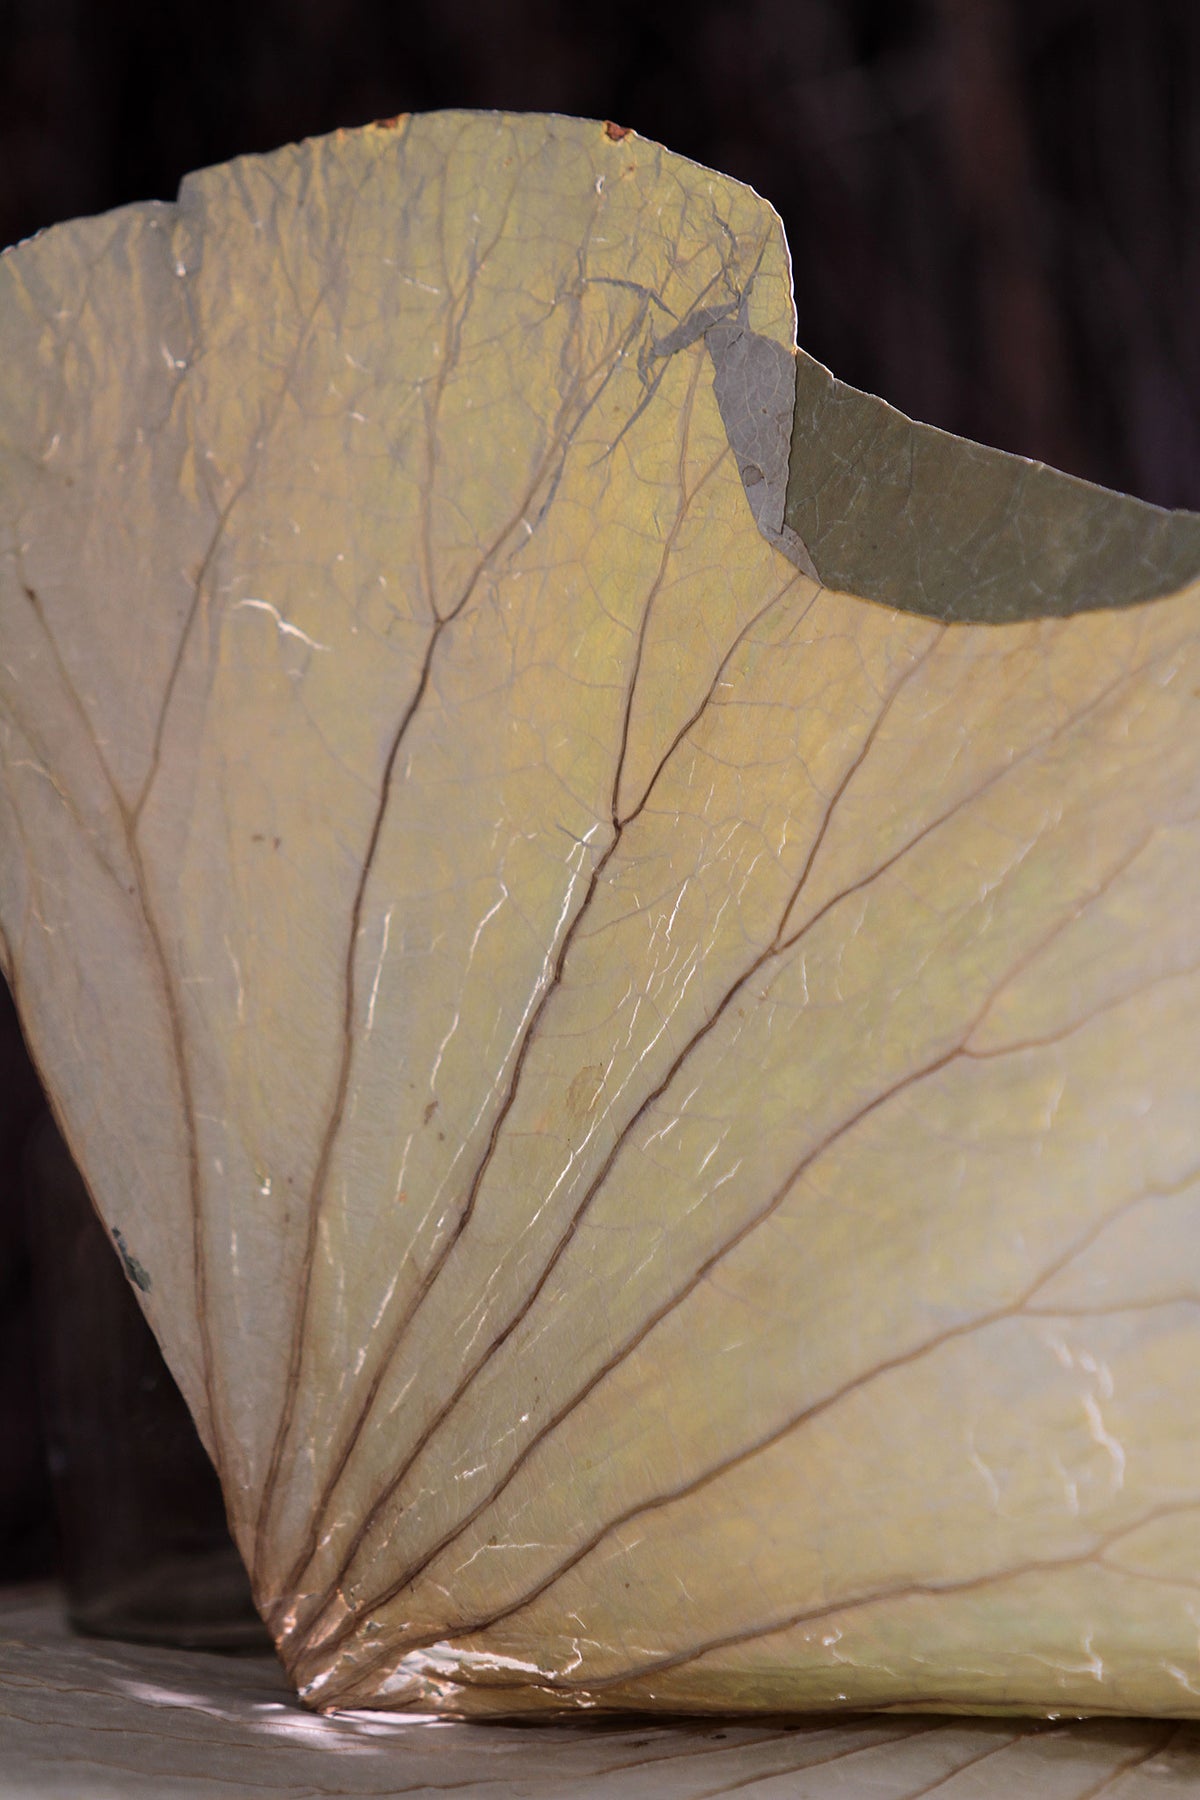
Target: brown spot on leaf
[(430, 1110), (584, 1090), (614, 133)]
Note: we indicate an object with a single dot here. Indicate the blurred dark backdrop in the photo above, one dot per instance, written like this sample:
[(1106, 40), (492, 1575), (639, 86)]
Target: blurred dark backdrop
[(992, 207)]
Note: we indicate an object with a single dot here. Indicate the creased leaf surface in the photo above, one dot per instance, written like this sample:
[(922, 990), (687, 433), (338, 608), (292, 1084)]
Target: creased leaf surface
[(657, 1097)]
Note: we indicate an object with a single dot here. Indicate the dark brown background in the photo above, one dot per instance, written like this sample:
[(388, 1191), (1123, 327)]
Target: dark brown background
[(992, 208)]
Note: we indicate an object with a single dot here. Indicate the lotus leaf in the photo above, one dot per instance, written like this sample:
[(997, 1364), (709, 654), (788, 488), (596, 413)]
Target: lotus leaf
[(611, 925)]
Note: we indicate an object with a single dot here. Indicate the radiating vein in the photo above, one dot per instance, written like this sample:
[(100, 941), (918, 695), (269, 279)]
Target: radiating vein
[(552, 459), (557, 966), (779, 946)]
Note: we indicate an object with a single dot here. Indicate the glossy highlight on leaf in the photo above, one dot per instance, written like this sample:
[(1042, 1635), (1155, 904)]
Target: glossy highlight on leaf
[(607, 920)]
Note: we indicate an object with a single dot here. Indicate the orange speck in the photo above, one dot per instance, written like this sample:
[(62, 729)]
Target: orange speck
[(615, 133)]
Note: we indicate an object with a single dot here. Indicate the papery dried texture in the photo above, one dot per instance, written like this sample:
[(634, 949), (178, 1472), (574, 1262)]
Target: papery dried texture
[(657, 1099)]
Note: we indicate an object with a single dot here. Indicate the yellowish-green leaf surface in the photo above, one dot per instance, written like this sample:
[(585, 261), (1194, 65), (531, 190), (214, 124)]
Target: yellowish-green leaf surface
[(657, 1098)]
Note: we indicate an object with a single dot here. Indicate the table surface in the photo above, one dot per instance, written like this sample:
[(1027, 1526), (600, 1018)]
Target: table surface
[(84, 1719)]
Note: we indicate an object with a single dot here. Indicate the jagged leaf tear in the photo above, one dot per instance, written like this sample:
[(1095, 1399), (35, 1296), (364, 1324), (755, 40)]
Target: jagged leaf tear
[(655, 1099)]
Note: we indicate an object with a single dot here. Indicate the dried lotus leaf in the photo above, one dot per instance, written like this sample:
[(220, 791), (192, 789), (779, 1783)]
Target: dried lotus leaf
[(629, 984)]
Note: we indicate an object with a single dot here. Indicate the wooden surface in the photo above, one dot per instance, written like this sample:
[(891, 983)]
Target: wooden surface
[(82, 1719)]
